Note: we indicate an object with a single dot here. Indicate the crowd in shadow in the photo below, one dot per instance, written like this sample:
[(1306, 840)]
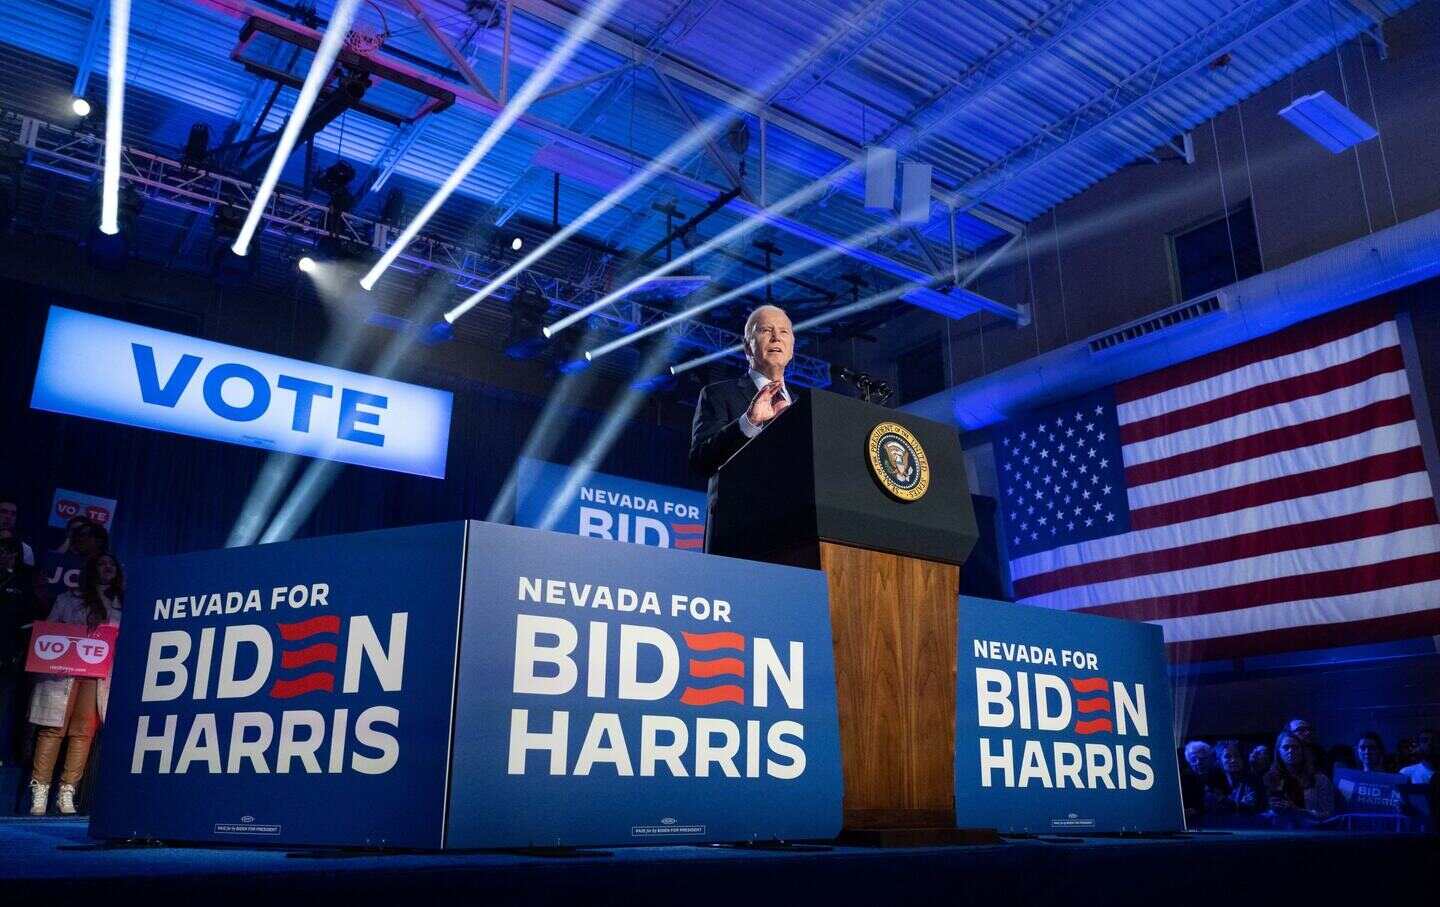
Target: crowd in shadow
[(1297, 783)]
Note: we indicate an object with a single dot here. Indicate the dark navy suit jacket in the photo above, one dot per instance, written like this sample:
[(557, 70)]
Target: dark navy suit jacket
[(715, 435)]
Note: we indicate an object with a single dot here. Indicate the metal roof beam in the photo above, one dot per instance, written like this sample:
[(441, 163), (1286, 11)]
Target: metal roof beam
[(954, 305), (1251, 19), (688, 75), (472, 78)]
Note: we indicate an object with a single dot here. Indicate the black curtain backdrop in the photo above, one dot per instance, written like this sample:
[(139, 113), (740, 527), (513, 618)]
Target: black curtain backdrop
[(180, 494)]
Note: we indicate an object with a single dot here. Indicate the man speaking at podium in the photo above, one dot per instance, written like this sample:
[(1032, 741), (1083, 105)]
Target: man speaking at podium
[(729, 413)]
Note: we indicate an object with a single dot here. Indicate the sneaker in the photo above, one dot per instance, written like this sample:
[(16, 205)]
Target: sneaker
[(65, 799), (39, 798)]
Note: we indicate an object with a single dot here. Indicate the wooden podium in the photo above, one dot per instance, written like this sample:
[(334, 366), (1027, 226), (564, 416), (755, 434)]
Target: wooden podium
[(805, 492)]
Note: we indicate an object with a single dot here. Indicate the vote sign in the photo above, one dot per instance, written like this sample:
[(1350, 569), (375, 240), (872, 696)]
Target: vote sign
[(67, 504), (71, 650), (1064, 723), (101, 368)]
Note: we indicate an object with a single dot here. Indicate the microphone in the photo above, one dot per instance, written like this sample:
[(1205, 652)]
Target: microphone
[(871, 390)]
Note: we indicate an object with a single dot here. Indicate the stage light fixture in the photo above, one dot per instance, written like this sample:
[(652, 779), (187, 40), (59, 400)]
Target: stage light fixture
[(197, 147), (527, 313), (306, 264), (80, 107), (1328, 122), (596, 15), (315, 80), (517, 244), (114, 117)]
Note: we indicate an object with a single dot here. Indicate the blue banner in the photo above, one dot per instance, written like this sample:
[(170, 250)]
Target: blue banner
[(119, 372), (1369, 792), (615, 694), (603, 506), (295, 693), (1064, 723)]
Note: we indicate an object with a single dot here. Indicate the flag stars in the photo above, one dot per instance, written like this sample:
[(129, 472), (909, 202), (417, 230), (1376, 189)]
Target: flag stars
[(1084, 469), (1109, 517), (1089, 426), (1099, 410), (1069, 433), (1090, 452), (1095, 479), (1099, 436), (1097, 506), (1089, 521), (1077, 511), (1107, 489), (1104, 464), (1085, 494)]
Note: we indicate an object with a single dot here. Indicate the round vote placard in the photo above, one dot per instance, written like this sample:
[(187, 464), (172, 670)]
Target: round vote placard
[(898, 461)]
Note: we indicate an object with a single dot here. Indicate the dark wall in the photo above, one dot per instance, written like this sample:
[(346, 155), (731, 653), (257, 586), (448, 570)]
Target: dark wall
[(180, 494)]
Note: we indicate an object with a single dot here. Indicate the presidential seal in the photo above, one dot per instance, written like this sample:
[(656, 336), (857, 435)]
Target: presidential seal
[(898, 461)]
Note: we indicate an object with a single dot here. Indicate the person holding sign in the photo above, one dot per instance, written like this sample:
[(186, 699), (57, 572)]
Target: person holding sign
[(1297, 791), (72, 708)]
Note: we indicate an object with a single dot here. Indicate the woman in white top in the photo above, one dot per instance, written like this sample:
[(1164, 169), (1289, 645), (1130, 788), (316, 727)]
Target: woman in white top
[(73, 707)]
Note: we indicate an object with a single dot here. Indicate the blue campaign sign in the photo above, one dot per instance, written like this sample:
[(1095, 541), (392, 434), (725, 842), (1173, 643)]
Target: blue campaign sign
[(297, 692), (1064, 723), (605, 506), (1369, 792), (119, 372), (620, 694)]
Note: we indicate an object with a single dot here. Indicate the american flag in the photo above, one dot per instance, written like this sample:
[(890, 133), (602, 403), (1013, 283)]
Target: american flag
[(1269, 496)]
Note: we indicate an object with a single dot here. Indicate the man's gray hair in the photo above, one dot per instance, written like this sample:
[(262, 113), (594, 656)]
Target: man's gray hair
[(755, 315)]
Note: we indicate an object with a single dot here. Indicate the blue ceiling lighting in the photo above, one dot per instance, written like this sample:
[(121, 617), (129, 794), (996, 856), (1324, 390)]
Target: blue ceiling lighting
[(1328, 122), (1017, 105)]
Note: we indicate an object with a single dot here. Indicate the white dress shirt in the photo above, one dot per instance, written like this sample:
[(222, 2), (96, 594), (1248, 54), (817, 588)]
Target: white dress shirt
[(750, 429)]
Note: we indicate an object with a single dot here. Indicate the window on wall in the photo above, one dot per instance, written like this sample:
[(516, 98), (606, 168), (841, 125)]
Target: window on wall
[(1215, 252), (921, 371)]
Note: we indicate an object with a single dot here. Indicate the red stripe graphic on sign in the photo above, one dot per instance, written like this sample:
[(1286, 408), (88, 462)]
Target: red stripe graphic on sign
[(726, 693), (1090, 684), (708, 642), (714, 667), (321, 651), (1086, 706), (1094, 726), (310, 683), (330, 623), (689, 543), (688, 527)]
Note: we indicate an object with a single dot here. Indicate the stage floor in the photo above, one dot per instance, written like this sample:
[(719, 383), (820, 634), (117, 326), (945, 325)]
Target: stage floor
[(52, 861)]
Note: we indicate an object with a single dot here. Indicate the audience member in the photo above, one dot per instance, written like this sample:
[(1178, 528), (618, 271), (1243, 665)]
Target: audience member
[(1202, 786), (1294, 786), (9, 521), (16, 608), (1303, 729), (68, 709), (1370, 753), (1422, 771), (1242, 795), (1259, 760)]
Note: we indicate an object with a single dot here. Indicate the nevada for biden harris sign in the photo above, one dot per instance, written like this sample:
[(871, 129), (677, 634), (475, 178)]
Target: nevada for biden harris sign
[(105, 369), (470, 685), (1064, 723)]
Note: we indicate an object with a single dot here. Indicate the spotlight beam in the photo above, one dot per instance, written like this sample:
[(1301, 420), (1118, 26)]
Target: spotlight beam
[(863, 238), (859, 305), (114, 116), (315, 80), (789, 203), (595, 16), (687, 143)]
